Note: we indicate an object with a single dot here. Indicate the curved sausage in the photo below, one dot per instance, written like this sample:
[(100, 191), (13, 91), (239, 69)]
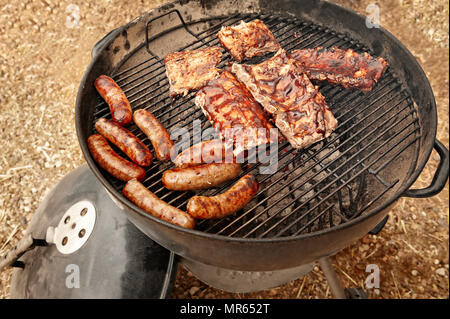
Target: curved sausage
[(145, 199), (212, 151), (156, 133), (126, 141), (111, 162), (113, 95), (200, 177), (227, 203)]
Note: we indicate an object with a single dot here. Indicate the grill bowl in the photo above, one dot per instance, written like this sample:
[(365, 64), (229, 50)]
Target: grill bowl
[(409, 134)]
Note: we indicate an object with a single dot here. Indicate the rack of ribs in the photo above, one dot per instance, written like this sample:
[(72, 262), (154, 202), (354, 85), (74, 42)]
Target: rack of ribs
[(190, 70), (337, 66), (231, 109), (247, 40), (299, 110)]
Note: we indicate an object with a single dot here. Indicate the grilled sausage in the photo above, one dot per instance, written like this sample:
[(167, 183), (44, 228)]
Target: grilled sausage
[(113, 95), (145, 199), (200, 177), (227, 203), (111, 162), (156, 133), (212, 151), (125, 140)]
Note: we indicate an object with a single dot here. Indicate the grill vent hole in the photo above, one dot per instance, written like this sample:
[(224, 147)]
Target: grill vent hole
[(83, 211), (81, 233), (64, 241)]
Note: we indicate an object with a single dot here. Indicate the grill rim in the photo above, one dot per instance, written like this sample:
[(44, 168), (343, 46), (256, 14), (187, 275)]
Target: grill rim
[(407, 182)]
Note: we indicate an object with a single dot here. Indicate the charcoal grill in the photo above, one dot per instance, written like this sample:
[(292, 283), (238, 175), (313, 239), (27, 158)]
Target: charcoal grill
[(322, 198)]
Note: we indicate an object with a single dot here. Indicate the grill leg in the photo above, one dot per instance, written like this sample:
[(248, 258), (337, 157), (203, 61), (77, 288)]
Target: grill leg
[(333, 280)]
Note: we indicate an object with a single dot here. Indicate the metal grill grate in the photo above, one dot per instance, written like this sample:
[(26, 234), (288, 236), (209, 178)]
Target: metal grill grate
[(314, 188)]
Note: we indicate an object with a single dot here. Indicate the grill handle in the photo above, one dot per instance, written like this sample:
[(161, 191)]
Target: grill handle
[(11, 259), (180, 17), (439, 178)]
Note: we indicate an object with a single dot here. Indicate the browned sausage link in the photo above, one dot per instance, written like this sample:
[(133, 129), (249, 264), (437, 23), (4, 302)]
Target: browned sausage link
[(156, 133), (111, 162), (113, 95), (145, 199), (212, 151), (200, 177), (126, 141), (227, 203)]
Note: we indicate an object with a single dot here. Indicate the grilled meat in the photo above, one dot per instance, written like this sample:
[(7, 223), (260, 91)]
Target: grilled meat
[(156, 133), (152, 204), (190, 70), (337, 66), (112, 162), (247, 40), (298, 108), (212, 151), (227, 203), (125, 140), (233, 112), (200, 177), (118, 103)]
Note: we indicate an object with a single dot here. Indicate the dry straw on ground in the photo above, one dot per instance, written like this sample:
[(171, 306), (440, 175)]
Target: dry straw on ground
[(42, 61)]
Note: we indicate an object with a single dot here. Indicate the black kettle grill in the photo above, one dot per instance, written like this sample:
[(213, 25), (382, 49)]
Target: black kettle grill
[(320, 200)]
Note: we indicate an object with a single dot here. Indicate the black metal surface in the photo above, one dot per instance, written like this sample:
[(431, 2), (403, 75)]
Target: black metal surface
[(382, 143), (117, 261)]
